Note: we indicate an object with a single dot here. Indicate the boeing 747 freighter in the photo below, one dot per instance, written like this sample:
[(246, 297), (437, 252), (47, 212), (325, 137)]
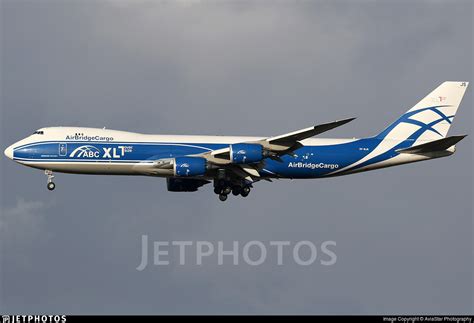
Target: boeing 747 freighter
[(235, 164)]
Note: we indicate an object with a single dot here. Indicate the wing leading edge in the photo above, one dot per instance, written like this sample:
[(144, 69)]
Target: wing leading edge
[(278, 145)]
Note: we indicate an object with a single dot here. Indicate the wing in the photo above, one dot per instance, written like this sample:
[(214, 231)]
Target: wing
[(288, 140), (272, 147), (278, 145)]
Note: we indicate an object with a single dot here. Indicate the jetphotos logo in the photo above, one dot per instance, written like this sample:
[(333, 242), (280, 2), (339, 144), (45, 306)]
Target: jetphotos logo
[(33, 318), (89, 151), (249, 253)]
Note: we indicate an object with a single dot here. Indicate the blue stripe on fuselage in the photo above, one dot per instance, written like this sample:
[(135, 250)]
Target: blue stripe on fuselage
[(307, 162)]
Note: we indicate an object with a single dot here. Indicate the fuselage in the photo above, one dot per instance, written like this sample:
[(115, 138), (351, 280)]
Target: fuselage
[(111, 152), (234, 163)]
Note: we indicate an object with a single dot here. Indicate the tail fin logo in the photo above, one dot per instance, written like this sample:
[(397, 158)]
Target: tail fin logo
[(422, 119), (431, 117)]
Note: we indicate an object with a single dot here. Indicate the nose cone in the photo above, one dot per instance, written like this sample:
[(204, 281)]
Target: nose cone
[(9, 152)]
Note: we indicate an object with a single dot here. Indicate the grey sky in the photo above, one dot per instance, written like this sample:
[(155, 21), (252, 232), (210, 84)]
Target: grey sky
[(404, 235)]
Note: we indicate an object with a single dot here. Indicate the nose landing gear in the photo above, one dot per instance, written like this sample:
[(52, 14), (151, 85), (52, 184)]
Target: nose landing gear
[(51, 186)]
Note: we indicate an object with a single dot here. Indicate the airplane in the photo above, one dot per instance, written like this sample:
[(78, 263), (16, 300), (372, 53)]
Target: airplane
[(235, 164)]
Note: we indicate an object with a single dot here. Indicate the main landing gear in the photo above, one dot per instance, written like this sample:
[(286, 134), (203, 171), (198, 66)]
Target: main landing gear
[(223, 188), (51, 186)]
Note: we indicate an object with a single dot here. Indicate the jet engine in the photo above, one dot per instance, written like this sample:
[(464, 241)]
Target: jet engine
[(189, 166), (246, 153)]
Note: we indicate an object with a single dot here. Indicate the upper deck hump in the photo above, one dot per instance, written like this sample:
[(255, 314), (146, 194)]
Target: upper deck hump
[(110, 135)]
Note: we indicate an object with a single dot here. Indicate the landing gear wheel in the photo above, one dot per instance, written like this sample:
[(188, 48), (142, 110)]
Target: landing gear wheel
[(217, 190), (236, 190), (221, 183), (223, 197), (245, 191), (227, 190), (50, 175)]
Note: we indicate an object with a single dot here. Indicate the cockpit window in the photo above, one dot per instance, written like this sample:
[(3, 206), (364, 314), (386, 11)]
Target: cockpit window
[(39, 132)]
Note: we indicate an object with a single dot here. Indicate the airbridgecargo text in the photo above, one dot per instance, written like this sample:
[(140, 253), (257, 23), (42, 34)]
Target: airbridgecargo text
[(312, 165), (83, 137)]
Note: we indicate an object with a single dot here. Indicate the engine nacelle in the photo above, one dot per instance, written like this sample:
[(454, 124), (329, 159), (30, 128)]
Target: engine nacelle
[(189, 166), (246, 153)]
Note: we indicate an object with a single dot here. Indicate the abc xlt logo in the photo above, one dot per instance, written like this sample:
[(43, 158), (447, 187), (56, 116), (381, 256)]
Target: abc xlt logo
[(89, 151)]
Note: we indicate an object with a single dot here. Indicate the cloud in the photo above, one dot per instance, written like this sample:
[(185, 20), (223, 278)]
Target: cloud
[(23, 229), (234, 67), (24, 221), (126, 4)]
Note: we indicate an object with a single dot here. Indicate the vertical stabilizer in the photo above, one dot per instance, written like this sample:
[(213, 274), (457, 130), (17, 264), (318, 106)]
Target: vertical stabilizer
[(431, 118)]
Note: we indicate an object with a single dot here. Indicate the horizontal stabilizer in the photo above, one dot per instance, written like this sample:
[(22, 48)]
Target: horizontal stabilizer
[(432, 146)]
